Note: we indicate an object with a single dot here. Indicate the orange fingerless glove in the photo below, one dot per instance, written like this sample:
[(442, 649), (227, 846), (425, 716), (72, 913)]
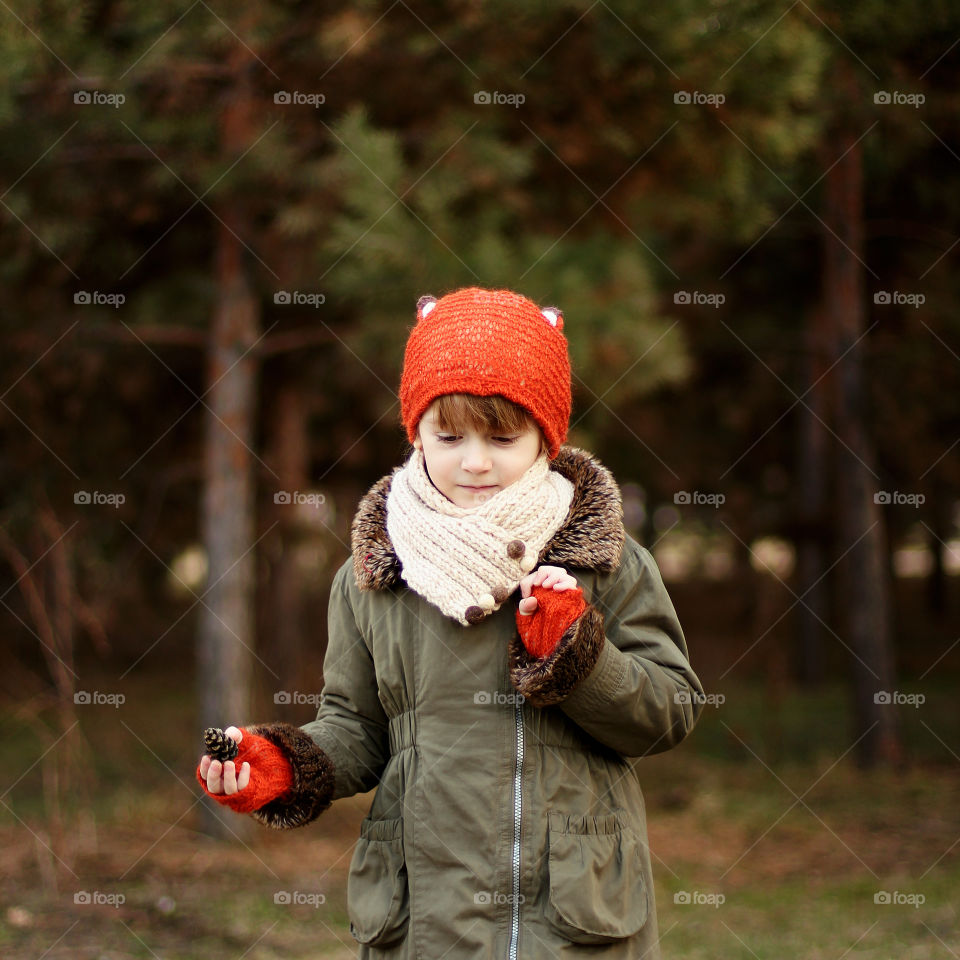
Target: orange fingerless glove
[(271, 775), (556, 610)]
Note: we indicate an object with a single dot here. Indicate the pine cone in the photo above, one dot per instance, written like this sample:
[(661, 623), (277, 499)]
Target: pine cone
[(219, 745)]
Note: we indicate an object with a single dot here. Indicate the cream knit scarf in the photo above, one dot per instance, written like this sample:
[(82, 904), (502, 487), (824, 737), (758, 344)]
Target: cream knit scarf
[(468, 560)]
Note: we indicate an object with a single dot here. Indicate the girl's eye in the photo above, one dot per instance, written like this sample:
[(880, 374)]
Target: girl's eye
[(453, 438)]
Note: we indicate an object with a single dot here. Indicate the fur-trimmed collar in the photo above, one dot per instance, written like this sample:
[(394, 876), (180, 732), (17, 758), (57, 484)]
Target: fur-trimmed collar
[(591, 537)]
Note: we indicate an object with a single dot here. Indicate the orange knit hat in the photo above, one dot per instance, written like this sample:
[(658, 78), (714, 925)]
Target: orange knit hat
[(488, 342)]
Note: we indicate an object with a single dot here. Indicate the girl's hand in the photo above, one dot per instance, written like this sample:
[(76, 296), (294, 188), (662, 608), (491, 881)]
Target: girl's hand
[(223, 777), (265, 772), (546, 577)]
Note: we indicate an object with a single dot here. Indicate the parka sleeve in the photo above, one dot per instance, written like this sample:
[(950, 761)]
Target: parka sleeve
[(620, 671), (351, 726), (345, 749)]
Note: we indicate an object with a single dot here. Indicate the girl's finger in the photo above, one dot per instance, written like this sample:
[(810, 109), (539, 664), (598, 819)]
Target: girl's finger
[(213, 776), (229, 778), (205, 761), (528, 606), (244, 777), (554, 574), (234, 732)]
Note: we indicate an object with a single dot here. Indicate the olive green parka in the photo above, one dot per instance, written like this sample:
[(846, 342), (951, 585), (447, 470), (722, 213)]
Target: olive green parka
[(508, 819)]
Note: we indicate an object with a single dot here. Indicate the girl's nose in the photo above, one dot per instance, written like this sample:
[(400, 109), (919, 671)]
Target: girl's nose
[(475, 459)]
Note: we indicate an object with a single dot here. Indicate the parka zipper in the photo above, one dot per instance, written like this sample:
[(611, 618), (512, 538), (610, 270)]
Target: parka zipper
[(517, 809)]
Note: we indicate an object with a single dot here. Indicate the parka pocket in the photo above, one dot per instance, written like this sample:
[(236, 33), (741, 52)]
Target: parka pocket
[(597, 889), (378, 900)]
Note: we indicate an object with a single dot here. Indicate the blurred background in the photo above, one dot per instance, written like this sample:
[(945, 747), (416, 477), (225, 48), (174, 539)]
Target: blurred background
[(215, 222)]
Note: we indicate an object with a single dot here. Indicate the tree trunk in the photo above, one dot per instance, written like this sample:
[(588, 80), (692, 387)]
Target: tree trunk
[(937, 536), (812, 472), (285, 593), (226, 628), (866, 602)]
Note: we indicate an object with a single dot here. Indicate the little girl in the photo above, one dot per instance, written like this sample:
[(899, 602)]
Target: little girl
[(498, 650)]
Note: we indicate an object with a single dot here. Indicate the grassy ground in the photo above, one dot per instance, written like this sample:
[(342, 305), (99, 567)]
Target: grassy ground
[(767, 843)]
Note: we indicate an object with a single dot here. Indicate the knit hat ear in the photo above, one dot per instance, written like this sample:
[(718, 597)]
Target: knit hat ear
[(425, 305), (554, 316), (486, 343)]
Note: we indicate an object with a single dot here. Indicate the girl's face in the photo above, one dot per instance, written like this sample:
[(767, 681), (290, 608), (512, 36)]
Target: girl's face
[(470, 467)]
